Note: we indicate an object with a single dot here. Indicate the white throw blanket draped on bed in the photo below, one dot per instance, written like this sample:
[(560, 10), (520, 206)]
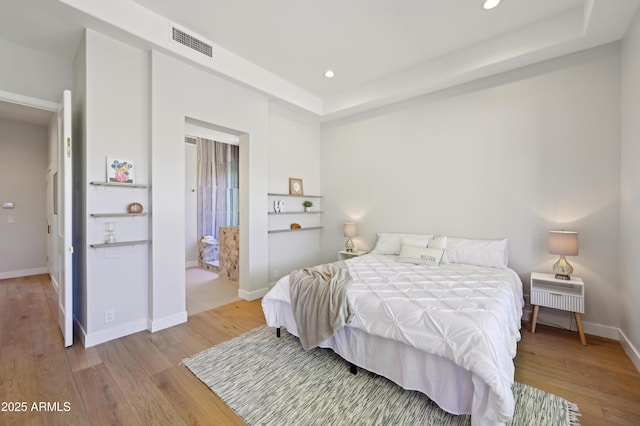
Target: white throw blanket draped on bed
[(319, 301)]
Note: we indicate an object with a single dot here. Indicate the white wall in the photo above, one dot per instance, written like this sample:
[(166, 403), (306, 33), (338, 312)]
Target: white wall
[(180, 91), (629, 294), (294, 151), (33, 74), (515, 156), (23, 171), (117, 124)]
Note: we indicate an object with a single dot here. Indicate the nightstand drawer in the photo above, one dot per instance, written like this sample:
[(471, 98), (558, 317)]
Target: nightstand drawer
[(557, 300)]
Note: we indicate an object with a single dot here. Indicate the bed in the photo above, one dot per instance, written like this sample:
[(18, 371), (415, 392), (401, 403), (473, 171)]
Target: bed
[(447, 328)]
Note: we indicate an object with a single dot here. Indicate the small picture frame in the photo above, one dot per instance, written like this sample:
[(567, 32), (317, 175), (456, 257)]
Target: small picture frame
[(295, 186), (119, 170)]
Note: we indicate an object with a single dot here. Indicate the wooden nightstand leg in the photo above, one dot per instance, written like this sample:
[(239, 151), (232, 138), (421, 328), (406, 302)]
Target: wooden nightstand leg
[(583, 340), (534, 318)]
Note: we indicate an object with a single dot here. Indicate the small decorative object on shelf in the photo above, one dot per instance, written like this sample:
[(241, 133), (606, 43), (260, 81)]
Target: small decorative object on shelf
[(295, 226), (295, 186), (110, 237), (120, 171), (135, 208), (278, 206), (307, 205)]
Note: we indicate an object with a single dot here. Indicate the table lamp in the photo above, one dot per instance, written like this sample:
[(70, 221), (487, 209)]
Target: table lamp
[(564, 243), (350, 229)]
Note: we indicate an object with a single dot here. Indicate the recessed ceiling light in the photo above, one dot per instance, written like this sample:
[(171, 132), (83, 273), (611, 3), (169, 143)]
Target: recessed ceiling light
[(329, 73), (490, 4)]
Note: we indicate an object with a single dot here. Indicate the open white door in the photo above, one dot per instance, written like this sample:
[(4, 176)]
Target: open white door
[(65, 223)]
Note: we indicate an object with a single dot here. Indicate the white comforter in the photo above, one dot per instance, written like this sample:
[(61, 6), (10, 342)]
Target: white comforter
[(468, 314)]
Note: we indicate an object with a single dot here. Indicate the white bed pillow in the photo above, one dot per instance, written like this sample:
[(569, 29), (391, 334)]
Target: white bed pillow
[(491, 253), (391, 242), (416, 240), (420, 255), (440, 242)]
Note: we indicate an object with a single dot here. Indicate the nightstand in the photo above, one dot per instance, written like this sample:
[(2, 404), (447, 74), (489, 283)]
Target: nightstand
[(344, 255), (567, 295)]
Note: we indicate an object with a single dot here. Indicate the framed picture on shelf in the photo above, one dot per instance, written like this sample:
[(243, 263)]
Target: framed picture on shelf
[(119, 171), (295, 186)]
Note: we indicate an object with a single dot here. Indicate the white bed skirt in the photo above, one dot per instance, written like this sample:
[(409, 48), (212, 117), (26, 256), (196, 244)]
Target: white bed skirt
[(453, 388)]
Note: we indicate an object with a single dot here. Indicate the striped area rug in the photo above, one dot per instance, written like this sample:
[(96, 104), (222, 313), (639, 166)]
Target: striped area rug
[(272, 381)]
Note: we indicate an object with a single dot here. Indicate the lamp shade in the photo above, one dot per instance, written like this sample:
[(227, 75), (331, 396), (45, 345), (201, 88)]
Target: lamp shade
[(350, 229), (564, 243)]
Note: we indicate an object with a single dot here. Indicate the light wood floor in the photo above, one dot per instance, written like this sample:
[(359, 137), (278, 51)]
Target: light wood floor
[(138, 379)]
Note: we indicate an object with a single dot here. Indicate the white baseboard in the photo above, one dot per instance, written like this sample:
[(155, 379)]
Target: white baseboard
[(602, 330), (252, 295), (564, 319), (79, 331), (24, 273), (54, 283), (166, 322), (631, 350), (92, 339), (596, 330)]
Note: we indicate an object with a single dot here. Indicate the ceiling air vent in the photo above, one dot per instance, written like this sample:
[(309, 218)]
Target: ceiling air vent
[(191, 42), (191, 140)]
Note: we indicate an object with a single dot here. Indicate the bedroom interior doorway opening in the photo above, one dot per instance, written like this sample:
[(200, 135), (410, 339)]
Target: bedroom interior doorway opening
[(212, 187)]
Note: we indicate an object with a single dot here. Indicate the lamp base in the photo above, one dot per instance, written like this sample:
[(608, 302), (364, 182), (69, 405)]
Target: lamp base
[(349, 245), (562, 269)]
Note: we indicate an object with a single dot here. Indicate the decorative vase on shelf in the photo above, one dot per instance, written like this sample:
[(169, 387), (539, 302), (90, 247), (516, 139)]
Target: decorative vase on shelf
[(307, 209), (110, 238)]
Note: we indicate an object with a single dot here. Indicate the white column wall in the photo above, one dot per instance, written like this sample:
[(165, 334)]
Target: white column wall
[(116, 124), (180, 91)]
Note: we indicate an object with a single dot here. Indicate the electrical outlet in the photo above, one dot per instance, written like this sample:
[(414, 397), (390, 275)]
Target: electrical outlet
[(109, 316), (11, 219)]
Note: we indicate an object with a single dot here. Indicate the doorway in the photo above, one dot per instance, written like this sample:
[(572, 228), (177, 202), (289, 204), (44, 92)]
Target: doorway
[(207, 286), (27, 153)]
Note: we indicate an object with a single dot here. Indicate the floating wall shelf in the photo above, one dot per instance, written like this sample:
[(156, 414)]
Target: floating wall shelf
[(118, 214), (277, 231), (120, 185), (119, 244), (293, 195), (279, 213)]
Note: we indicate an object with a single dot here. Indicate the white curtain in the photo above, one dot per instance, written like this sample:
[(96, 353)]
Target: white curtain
[(218, 186)]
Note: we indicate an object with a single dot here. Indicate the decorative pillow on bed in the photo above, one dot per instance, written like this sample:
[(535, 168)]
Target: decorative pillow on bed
[(420, 255), (391, 242), (491, 253)]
